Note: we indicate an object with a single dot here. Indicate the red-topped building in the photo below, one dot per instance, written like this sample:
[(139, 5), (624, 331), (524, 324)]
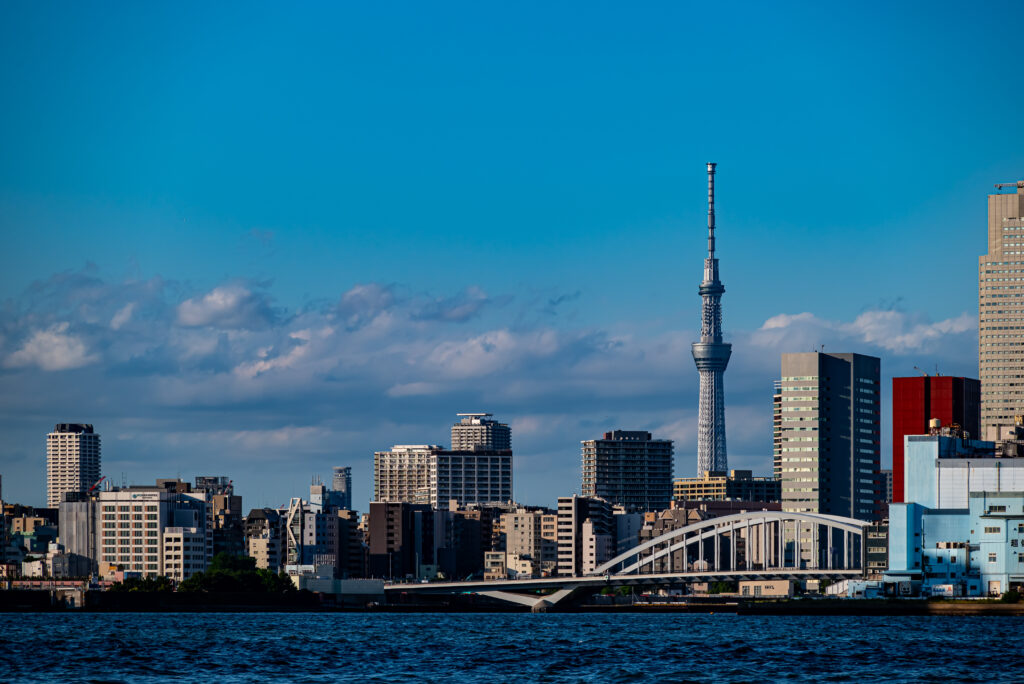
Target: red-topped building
[(918, 399)]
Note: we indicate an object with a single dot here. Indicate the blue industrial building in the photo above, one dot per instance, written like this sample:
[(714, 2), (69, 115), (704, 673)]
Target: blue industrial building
[(961, 530)]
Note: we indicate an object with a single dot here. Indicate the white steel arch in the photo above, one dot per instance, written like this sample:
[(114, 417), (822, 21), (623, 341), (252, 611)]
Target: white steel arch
[(771, 525)]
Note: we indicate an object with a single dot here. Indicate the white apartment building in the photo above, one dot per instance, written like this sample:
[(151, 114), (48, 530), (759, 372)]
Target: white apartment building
[(479, 431), (184, 552), (430, 474), (72, 460), (147, 530)]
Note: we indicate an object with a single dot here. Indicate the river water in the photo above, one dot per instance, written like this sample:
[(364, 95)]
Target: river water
[(316, 647)]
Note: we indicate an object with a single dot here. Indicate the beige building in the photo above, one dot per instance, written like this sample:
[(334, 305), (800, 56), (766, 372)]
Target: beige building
[(72, 460), (531, 535), (429, 474), (184, 551), (1001, 313), (738, 485)]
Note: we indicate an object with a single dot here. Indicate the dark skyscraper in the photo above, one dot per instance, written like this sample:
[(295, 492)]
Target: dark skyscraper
[(630, 469)]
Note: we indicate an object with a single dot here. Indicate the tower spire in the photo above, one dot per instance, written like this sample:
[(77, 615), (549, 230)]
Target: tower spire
[(711, 210), (711, 355)]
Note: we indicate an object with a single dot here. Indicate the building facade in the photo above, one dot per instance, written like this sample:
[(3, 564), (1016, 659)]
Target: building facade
[(739, 485), (1001, 313), (429, 474), (581, 546), (917, 400), (960, 528), (130, 528), (629, 469), (265, 538), (828, 434), (341, 484), (531, 535), (479, 431), (72, 460)]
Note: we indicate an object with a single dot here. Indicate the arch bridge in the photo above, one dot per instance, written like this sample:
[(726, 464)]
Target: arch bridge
[(743, 546), (751, 542)]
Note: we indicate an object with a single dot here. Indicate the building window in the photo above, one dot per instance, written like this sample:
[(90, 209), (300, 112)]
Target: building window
[(992, 530), (991, 558)]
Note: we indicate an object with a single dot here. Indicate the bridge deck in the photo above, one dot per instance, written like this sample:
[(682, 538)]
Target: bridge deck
[(616, 580)]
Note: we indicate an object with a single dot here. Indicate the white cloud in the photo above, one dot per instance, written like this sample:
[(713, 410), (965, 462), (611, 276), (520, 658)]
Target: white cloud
[(52, 349), (227, 306), (123, 315), (898, 332)]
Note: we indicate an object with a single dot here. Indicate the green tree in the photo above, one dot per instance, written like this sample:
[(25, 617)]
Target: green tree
[(232, 574), (159, 584)]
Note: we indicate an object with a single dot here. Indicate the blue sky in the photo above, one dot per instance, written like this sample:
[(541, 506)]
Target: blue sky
[(261, 240)]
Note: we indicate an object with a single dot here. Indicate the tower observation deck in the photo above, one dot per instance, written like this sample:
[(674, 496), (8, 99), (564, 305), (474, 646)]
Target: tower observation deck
[(711, 355)]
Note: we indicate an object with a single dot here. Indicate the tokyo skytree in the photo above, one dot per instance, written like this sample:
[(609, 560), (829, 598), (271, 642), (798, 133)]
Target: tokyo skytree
[(711, 355)]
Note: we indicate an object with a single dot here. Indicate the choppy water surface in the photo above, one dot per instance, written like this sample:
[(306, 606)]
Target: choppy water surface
[(221, 647)]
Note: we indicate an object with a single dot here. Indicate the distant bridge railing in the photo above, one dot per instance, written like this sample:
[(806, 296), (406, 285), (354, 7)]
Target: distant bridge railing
[(751, 541)]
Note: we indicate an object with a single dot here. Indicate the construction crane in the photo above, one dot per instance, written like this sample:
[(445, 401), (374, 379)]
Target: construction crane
[(1018, 184), (920, 371), (95, 485)]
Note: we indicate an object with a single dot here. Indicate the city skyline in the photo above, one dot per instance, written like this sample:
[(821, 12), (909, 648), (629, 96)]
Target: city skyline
[(520, 244)]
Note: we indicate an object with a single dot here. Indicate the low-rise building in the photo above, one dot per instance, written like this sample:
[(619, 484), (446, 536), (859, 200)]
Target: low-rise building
[(960, 528)]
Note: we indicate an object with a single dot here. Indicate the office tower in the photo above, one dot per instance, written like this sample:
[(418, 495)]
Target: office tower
[(827, 434), (72, 460), (711, 355), (341, 485), (629, 469), (916, 400), (736, 485), (1001, 313), (585, 534), (476, 431)]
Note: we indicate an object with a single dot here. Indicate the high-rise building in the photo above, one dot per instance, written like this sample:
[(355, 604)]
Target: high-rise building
[(341, 485), (629, 469), (72, 460), (711, 355), (1001, 313), (916, 400), (478, 472), (476, 431), (827, 434)]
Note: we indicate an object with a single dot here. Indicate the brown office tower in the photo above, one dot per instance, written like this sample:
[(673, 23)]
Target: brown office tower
[(1001, 312), (917, 400)]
